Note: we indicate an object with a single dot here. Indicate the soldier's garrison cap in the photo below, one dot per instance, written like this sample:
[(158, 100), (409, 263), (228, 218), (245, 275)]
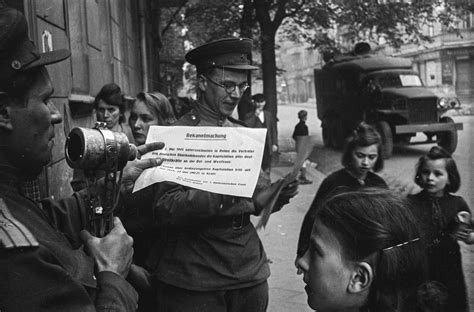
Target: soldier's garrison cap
[(232, 53), (17, 51)]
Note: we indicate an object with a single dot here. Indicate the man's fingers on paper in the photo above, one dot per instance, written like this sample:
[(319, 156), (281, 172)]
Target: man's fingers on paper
[(149, 147), (85, 235), (148, 163)]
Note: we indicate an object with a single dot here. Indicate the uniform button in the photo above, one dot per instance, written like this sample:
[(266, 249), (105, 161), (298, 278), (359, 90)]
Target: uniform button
[(16, 64), (222, 206)]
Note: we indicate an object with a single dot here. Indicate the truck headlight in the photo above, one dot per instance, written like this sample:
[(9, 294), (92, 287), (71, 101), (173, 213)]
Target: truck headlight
[(455, 103), (443, 102)]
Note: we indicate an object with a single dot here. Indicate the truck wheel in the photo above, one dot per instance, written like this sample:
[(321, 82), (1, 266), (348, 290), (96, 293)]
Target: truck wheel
[(337, 134), (326, 134), (448, 139), (387, 140)]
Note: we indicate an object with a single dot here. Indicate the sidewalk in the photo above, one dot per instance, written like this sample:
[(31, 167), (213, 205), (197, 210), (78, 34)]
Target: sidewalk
[(280, 238)]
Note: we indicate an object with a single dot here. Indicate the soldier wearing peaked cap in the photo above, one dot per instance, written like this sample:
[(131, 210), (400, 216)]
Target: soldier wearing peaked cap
[(212, 258), (43, 263)]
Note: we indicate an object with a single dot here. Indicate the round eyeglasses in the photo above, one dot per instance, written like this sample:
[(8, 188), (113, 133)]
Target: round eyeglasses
[(230, 86)]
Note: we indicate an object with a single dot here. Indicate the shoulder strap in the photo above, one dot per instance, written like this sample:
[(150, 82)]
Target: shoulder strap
[(13, 234)]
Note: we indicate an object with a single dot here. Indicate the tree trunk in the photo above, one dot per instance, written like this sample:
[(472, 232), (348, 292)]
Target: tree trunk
[(246, 24), (268, 30), (269, 72)]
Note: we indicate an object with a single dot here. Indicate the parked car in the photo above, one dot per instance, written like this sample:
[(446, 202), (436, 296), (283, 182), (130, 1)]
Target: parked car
[(385, 92)]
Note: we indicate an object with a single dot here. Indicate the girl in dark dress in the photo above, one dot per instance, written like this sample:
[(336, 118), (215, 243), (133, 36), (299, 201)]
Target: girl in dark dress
[(361, 156), (444, 218)]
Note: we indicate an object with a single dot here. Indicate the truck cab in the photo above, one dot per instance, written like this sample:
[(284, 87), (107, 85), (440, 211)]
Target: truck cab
[(385, 92)]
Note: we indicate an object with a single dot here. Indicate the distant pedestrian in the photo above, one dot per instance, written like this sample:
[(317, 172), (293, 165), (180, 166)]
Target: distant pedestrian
[(444, 219), (301, 129), (261, 118), (361, 156), (364, 255)]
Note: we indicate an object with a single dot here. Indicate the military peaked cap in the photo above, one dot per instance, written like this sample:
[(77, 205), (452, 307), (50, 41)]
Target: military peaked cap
[(226, 53), (17, 51)]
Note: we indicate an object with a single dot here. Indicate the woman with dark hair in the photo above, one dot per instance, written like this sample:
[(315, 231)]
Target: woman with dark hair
[(444, 219), (364, 254), (109, 105), (110, 108), (361, 157), (149, 109)]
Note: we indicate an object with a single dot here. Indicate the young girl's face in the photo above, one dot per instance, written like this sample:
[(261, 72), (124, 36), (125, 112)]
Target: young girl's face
[(326, 273), (434, 177), (364, 159)]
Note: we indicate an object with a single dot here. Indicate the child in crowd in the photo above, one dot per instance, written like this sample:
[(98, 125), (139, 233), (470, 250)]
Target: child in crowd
[(364, 254), (301, 129), (360, 159), (444, 219)]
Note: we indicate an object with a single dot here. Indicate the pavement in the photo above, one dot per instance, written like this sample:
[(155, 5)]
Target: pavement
[(280, 238)]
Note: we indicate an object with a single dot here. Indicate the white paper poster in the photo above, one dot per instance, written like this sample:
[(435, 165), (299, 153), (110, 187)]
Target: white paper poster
[(222, 160)]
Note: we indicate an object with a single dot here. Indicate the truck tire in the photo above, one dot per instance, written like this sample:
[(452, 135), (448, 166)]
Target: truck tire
[(337, 133), (326, 134), (387, 139), (447, 139)]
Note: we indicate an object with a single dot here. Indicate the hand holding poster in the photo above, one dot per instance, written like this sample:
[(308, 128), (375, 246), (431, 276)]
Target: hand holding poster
[(222, 160), (268, 197)]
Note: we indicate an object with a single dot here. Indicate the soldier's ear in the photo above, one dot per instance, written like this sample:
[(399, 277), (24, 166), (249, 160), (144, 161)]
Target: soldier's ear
[(5, 120), (202, 83)]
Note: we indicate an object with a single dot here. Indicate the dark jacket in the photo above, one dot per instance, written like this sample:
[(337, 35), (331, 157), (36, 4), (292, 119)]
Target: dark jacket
[(43, 266)]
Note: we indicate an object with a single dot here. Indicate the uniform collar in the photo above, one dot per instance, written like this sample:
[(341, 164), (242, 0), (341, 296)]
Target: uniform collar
[(13, 180), (209, 116)]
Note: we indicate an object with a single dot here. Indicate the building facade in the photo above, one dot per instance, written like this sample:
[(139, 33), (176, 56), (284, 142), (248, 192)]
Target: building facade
[(446, 63), (296, 63)]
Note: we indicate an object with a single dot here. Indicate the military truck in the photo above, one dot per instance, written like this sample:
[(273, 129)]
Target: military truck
[(385, 92)]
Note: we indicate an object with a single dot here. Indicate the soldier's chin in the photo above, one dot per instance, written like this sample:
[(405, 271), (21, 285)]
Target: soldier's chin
[(32, 169), (227, 108)]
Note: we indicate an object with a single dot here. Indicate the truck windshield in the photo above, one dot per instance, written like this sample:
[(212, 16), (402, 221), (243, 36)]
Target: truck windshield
[(396, 80)]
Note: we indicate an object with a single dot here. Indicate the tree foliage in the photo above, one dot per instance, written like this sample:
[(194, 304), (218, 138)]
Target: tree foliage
[(391, 22)]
